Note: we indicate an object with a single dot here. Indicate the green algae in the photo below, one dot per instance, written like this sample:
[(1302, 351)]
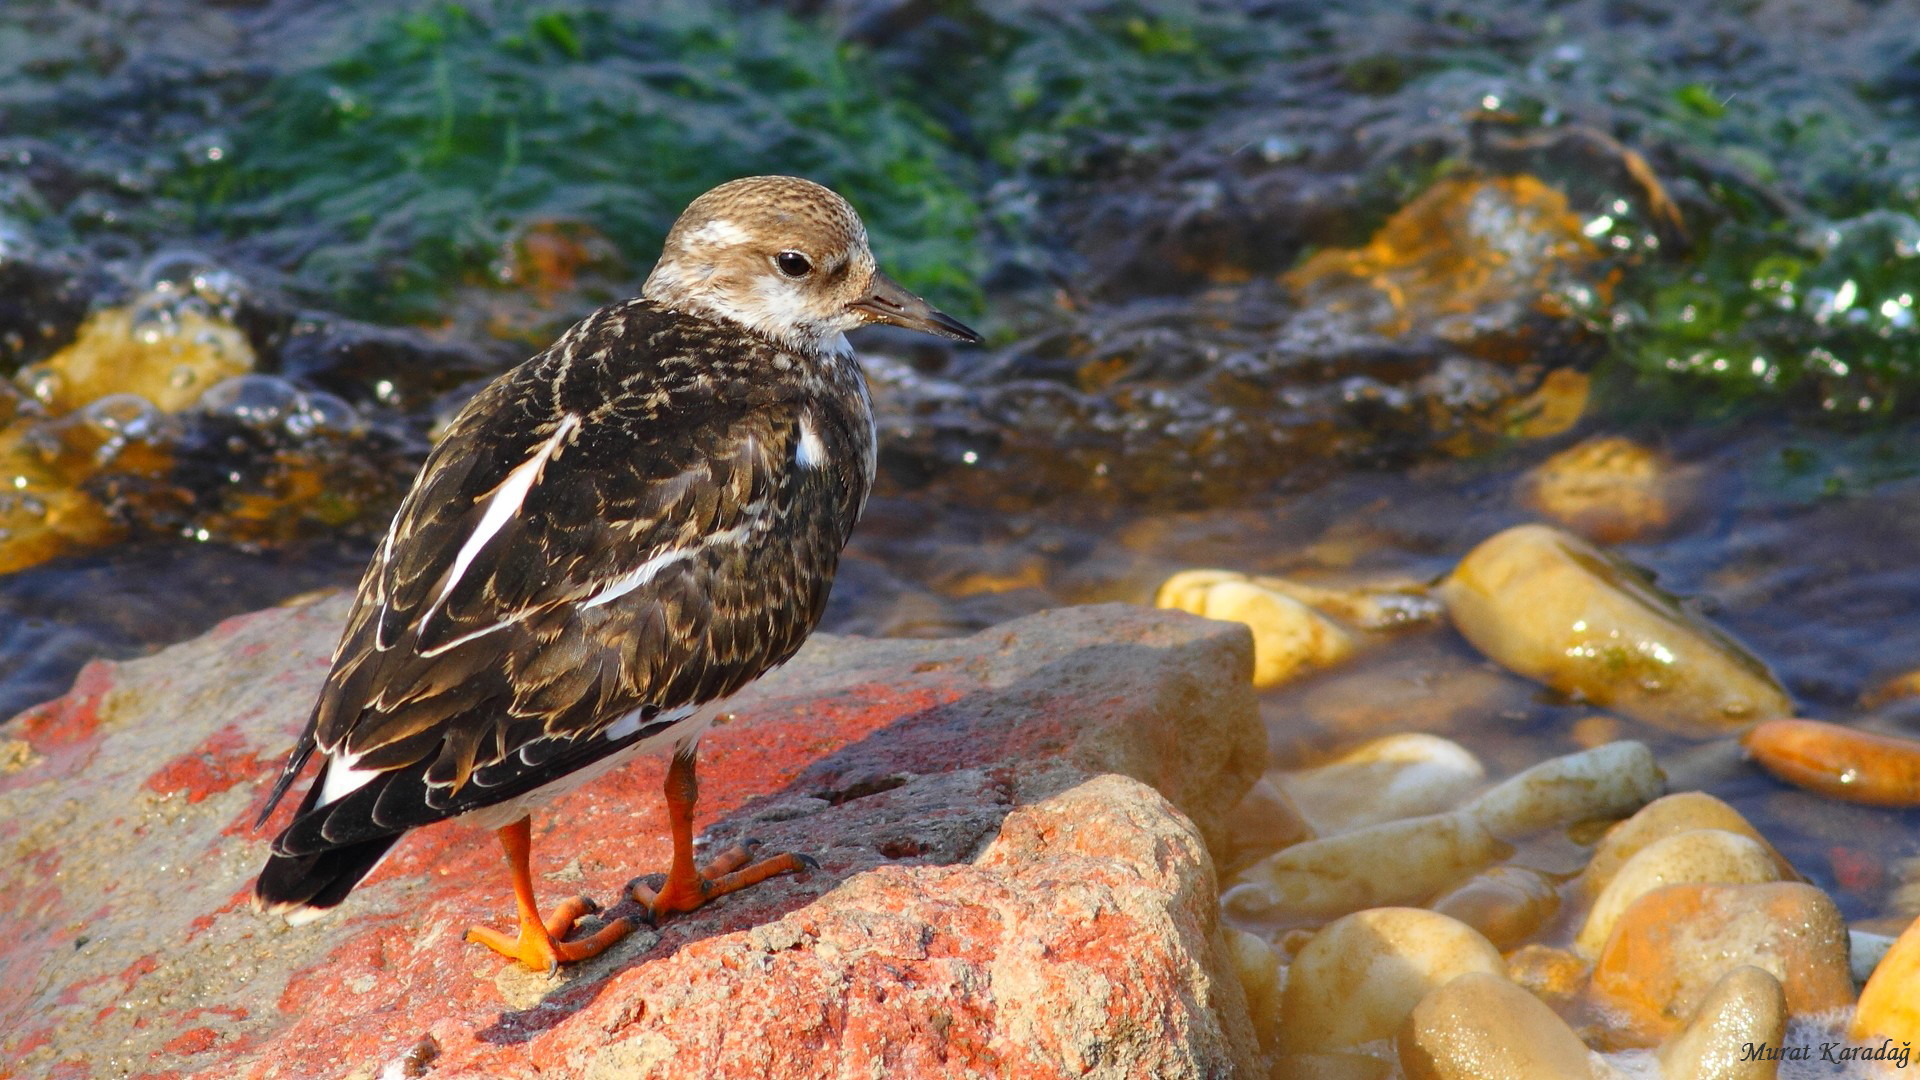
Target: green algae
[(431, 140)]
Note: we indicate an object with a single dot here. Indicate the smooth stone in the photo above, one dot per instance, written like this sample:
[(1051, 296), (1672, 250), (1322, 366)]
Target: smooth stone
[(1399, 776), (1483, 1027), (1890, 1003), (1549, 605), (1361, 975), (1263, 822), (1604, 782), (1391, 606), (1671, 945), (1398, 862), (1289, 638), (1547, 972), (1865, 950), (1746, 1008), (1698, 856), (1509, 904), (1258, 966), (1670, 815), (1607, 489), (1839, 762)]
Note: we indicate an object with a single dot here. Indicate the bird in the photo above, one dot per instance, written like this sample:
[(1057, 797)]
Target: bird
[(608, 542)]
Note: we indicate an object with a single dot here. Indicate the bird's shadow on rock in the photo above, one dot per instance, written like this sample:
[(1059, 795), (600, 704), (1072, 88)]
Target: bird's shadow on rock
[(930, 788)]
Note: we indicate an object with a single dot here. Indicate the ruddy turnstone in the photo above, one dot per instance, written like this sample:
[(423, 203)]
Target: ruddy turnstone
[(610, 540)]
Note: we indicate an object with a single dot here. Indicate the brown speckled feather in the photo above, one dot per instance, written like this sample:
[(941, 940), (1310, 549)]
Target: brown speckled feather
[(657, 442)]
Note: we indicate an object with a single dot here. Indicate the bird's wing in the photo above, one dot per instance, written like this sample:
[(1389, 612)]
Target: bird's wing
[(552, 570)]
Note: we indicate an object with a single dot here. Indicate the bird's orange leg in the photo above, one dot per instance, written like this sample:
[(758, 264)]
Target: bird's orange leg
[(730, 871), (538, 943)]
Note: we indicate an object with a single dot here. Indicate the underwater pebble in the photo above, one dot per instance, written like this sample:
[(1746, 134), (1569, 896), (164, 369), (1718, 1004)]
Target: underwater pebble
[(1258, 966), (1509, 904), (1671, 945), (1399, 776), (1548, 605), (1289, 638), (1481, 1027), (1607, 489), (1547, 972), (1262, 822), (1361, 975), (1697, 856), (1670, 815), (1746, 1008), (1398, 862), (1890, 1003), (1392, 606), (1865, 950), (170, 362), (1606, 781), (1838, 761)]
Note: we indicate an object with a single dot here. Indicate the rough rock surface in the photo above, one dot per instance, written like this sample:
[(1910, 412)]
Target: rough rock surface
[(1013, 880)]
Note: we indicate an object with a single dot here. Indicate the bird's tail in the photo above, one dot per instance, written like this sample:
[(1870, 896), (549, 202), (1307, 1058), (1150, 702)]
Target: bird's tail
[(303, 887)]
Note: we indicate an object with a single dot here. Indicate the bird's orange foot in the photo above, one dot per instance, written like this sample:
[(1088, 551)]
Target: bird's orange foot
[(730, 871), (539, 945)]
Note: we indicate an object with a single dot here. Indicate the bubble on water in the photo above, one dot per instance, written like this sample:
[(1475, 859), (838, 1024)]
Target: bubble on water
[(256, 401)]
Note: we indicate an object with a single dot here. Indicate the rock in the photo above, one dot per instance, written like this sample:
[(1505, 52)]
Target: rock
[(1553, 607), (1667, 816), (1603, 782), (1289, 638), (1890, 1002), (1746, 1008), (1696, 856), (991, 897), (1261, 979), (1608, 489), (1395, 605), (1671, 945), (1482, 1027), (1837, 761), (1865, 950), (1360, 976), (1546, 972), (1509, 904), (1385, 779), (1263, 822), (1399, 862)]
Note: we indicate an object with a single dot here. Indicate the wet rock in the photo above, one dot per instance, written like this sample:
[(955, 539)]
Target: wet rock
[(1261, 979), (1289, 638), (167, 354), (1865, 950), (1608, 489), (998, 889), (1468, 257), (1361, 975), (1548, 973), (1552, 607), (1398, 862), (1509, 904), (1385, 779), (1746, 1008), (1697, 856), (1482, 1027), (1263, 822), (1838, 761), (1392, 605), (1667, 816), (1890, 1002), (1603, 782), (1673, 944)]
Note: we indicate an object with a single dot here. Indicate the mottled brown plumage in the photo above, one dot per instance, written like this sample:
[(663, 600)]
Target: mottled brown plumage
[(609, 540)]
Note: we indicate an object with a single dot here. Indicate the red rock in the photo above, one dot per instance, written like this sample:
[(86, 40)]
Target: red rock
[(992, 900)]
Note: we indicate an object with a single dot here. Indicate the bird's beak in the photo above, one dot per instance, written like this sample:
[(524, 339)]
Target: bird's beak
[(887, 302)]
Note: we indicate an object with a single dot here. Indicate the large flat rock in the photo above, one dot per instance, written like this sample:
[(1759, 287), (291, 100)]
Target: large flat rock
[(1013, 876)]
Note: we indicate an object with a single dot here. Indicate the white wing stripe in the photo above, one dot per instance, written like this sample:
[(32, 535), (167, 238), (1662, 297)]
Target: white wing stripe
[(650, 569), (501, 506), (811, 453)]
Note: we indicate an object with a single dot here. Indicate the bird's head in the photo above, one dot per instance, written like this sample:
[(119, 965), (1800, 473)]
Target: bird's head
[(787, 258)]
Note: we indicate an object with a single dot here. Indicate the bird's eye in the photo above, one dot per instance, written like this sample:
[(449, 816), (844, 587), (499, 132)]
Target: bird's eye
[(793, 264)]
